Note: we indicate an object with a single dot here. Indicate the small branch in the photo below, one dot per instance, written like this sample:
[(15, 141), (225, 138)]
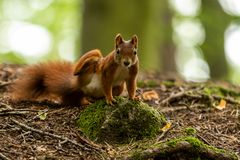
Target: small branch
[(2, 156), (27, 110), (228, 99), (5, 105), (173, 109), (10, 111), (21, 110), (38, 115), (88, 147), (13, 113), (161, 136), (202, 95), (203, 139), (172, 97), (2, 83)]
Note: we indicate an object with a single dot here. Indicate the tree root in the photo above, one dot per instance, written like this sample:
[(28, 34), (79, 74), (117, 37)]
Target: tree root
[(183, 150)]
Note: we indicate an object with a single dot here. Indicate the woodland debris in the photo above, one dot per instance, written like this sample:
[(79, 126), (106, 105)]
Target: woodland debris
[(86, 146), (2, 156)]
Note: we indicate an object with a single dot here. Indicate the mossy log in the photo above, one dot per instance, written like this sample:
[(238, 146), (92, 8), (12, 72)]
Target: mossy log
[(187, 148)]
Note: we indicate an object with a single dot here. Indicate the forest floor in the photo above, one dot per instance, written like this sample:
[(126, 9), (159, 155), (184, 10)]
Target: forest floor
[(46, 130)]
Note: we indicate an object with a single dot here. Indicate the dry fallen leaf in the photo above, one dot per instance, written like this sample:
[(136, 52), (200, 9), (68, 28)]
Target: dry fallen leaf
[(221, 105), (111, 152), (166, 127), (41, 148), (150, 95)]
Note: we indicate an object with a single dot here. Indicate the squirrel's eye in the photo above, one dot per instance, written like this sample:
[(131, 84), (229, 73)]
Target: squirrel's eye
[(134, 51), (118, 51)]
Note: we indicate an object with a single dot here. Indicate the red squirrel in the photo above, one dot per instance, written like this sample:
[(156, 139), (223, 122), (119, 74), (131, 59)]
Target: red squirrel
[(92, 76)]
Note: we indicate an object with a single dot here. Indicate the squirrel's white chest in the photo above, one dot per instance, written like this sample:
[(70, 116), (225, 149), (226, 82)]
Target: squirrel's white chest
[(120, 75), (94, 88)]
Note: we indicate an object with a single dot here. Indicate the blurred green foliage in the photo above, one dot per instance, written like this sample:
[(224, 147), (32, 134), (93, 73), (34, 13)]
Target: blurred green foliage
[(61, 18), (76, 26), (12, 57)]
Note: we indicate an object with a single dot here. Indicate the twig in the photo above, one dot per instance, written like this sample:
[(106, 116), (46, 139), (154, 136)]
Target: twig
[(203, 139), (88, 148), (2, 83), (164, 133), (21, 110), (202, 95), (5, 105), (2, 156), (228, 99), (38, 115), (172, 109), (26, 110), (172, 97), (9, 110), (13, 113)]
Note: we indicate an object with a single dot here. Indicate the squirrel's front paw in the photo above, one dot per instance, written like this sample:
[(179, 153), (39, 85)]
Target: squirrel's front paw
[(84, 101), (136, 98), (111, 101)]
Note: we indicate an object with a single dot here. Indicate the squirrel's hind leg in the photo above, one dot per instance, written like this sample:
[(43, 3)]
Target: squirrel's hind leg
[(75, 99)]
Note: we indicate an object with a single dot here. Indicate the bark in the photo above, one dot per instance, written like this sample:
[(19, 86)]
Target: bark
[(150, 20), (215, 21)]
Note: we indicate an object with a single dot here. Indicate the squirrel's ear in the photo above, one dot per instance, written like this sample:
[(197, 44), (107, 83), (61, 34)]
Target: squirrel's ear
[(134, 40), (118, 40)]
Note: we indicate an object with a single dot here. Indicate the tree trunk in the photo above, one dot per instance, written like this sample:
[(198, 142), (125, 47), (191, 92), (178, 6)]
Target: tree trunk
[(215, 21), (102, 20), (167, 47)]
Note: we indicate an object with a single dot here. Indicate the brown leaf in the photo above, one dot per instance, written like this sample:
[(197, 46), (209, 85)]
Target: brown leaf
[(166, 127), (221, 105), (150, 95), (41, 148)]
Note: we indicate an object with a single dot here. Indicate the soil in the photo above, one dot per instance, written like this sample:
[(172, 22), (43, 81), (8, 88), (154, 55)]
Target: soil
[(47, 130)]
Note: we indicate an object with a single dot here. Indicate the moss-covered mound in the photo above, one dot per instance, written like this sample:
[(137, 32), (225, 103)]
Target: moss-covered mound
[(121, 123), (188, 148)]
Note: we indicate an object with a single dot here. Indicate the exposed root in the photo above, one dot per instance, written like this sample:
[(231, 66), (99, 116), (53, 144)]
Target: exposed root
[(182, 150)]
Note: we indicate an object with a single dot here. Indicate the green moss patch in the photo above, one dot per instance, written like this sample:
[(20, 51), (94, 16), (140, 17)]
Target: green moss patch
[(168, 83), (181, 148), (124, 122), (148, 83), (190, 131), (220, 91)]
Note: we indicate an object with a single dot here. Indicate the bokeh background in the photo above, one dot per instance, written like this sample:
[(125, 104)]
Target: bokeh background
[(198, 39)]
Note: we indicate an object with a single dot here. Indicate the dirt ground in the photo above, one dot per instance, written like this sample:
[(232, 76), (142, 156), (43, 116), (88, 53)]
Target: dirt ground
[(46, 130)]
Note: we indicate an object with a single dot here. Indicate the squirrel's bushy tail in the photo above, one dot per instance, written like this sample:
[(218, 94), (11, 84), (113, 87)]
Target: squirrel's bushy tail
[(43, 79)]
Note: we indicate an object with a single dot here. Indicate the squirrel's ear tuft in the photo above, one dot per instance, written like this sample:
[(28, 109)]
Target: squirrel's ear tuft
[(118, 40), (134, 40)]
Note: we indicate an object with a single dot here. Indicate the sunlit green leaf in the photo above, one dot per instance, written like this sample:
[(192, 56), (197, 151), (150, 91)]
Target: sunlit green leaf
[(42, 115)]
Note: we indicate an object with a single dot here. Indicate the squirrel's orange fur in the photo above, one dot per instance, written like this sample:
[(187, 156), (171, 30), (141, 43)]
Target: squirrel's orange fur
[(92, 76)]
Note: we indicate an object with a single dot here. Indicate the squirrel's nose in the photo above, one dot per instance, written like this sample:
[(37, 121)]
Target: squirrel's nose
[(126, 63)]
